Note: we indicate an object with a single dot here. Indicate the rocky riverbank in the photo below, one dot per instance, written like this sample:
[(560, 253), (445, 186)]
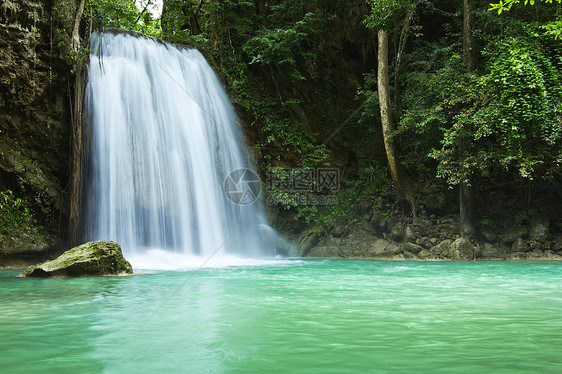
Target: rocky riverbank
[(395, 238)]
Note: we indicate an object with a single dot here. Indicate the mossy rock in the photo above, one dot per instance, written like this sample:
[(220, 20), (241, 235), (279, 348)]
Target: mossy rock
[(490, 251), (307, 242), (90, 259), (412, 248), (424, 255), (383, 249), (520, 246), (463, 248), (323, 251), (409, 256), (410, 234), (442, 249)]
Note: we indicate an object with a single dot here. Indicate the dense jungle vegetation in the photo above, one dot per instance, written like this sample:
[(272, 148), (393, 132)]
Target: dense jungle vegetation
[(428, 108), (474, 100)]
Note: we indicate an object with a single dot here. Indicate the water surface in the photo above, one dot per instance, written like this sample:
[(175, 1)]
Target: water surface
[(301, 316)]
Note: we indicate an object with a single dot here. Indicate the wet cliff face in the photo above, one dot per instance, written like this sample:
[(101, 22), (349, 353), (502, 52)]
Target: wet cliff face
[(34, 119)]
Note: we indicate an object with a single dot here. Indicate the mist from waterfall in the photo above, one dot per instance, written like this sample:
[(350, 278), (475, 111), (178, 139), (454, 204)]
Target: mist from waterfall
[(162, 139)]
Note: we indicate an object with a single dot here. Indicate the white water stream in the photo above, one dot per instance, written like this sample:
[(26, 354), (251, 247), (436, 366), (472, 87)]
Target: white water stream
[(162, 138)]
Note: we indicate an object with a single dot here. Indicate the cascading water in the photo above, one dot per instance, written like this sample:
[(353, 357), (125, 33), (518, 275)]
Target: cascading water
[(162, 139)]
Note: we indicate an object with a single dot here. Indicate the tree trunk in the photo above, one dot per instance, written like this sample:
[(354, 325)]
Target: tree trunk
[(400, 178), (467, 37), (466, 201), (76, 154), (76, 150), (75, 37), (466, 195), (213, 9), (466, 210), (164, 17)]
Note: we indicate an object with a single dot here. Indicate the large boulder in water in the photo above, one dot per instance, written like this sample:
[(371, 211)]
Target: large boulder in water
[(90, 259)]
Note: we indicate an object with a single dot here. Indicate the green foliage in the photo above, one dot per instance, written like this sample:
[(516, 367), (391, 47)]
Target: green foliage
[(230, 22), (278, 46), (373, 181), (98, 14), (525, 82), (14, 212), (554, 28), (507, 117), (385, 13), (111, 13), (285, 138), (507, 4), (60, 17), (122, 14), (503, 118), (435, 80)]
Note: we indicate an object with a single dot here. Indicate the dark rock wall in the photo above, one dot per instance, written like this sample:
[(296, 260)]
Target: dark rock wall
[(395, 237), (34, 122)]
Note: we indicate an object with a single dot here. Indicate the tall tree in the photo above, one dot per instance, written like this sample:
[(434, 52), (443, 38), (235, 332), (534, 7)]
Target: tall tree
[(401, 180), (466, 195), (386, 14)]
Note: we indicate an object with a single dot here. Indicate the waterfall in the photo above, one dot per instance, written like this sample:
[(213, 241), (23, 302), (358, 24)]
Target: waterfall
[(163, 148)]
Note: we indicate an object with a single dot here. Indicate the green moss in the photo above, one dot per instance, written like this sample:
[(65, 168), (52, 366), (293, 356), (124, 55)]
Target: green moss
[(90, 259)]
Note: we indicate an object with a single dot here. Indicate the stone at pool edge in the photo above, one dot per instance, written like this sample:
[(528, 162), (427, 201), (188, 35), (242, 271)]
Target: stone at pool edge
[(90, 259)]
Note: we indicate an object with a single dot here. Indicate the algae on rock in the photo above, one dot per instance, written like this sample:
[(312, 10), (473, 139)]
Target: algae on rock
[(90, 259)]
